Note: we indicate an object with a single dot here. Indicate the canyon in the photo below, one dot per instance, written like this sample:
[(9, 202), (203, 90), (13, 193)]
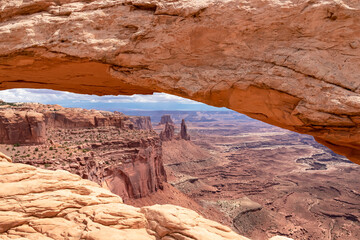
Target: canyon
[(264, 180), (112, 151), (293, 64), (258, 180), (119, 152)]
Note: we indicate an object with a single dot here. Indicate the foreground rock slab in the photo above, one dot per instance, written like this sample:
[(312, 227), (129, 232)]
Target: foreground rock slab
[(293, 64), (42, 204)]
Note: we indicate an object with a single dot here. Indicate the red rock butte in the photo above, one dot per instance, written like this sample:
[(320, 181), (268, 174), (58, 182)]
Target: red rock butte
[(293, 64)]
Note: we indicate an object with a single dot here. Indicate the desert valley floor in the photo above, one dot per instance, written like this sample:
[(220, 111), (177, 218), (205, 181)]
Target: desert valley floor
[(265, 179)]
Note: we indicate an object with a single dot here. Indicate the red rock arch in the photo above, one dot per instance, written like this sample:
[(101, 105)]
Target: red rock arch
[(293, 64)]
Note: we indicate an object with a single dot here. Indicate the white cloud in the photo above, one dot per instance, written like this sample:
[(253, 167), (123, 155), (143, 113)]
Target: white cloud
[(52, 97)]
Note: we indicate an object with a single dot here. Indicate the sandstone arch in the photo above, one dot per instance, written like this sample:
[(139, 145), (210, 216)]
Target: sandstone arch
[(294, 63)]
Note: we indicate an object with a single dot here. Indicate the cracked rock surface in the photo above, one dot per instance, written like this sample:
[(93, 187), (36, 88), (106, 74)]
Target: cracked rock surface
[(40, 204), (294, 63)]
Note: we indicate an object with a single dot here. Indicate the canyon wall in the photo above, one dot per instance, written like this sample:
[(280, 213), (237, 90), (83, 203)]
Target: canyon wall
[(293, 64), (27, 123), (120, 152), (22, 127), (137, 174), (129, 164)]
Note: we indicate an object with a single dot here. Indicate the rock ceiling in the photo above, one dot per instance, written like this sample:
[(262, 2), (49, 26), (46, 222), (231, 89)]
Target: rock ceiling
[(294, 64)]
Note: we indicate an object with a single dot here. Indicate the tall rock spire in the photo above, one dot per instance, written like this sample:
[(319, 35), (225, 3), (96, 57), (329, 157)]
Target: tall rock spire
[(183, 132), (168, 133)]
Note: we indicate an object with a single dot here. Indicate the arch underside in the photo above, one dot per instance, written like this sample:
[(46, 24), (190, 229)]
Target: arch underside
[(293, 64)]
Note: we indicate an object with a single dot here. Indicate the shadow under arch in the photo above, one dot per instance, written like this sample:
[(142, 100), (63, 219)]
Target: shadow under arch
[(38, 68)]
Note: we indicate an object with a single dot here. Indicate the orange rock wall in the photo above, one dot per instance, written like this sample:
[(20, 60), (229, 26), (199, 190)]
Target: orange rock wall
[(291, 63)]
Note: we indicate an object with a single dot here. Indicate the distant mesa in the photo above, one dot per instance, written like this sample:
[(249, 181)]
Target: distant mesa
[(166, 119), (27, 123)]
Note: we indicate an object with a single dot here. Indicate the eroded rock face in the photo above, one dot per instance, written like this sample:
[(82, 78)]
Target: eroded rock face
[(136, 169), (43, 204), (141, 122), (22, 127), (27, 123), (168, 133), (292, 63), (183, 131), (166, 119), (114, 150)]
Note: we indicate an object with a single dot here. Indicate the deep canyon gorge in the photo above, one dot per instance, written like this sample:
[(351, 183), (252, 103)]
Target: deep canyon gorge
[(259, 180), (292, 64)]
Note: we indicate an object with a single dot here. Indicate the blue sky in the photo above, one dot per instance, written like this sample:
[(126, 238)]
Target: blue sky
[(157, 101)]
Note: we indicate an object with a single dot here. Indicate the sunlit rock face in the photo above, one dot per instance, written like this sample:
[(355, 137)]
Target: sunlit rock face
[(27, 122), (42, 204), (183, 131), (168, 133), (291, 63), (128, 161), (17, 126), (166, 119)]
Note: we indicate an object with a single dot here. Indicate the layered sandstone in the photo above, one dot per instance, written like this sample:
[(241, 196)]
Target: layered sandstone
[(168, 133), (119, 152), (135, 169), (43, 204), (166, 119), (127, 161), (22, 127), (57, 116), (266, 180), (183, 131), (290, 63), (141, 122), (28, 123)]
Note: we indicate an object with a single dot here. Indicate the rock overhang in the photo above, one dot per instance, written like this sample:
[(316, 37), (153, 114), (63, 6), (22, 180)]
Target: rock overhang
[(293, 64)]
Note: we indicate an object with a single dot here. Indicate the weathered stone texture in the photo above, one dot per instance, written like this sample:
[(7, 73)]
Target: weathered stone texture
[(43, 204), (294, 64)]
